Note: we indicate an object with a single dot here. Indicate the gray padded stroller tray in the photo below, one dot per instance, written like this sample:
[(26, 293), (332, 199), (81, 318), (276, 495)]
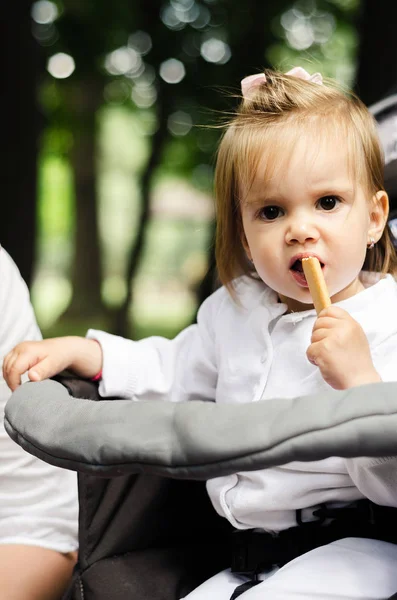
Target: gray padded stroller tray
[(199, 440)]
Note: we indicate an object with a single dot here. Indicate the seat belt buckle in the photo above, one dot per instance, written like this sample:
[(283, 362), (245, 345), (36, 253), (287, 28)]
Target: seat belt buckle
[(251, 551), (242, 555)]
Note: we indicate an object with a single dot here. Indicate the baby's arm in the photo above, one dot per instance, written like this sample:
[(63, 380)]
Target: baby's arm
[(157, 368), (154, 368)]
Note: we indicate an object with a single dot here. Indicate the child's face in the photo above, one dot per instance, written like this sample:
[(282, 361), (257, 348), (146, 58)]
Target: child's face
[(311, 206)]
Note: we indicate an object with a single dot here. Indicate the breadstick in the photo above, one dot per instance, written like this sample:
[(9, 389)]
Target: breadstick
[(315, 280)]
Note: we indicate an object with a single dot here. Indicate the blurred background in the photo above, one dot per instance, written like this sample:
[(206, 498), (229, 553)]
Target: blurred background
[(107, 157)]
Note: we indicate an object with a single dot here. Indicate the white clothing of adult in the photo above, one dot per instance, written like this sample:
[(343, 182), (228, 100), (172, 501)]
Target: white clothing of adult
[(249, 349), (38, 502)]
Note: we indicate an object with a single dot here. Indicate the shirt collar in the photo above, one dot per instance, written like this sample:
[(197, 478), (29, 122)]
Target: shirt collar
[(380, 291), (371, 308)]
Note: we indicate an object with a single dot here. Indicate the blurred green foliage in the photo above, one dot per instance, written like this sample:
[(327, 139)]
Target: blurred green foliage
[(136, 111)]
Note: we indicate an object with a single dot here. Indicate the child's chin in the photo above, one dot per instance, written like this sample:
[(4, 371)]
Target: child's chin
[(298, 302)]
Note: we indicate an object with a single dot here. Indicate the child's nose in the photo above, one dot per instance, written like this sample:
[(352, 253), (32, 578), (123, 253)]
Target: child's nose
[(302, 231)]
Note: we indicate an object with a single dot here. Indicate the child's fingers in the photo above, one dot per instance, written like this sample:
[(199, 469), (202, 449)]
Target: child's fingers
[(325, 323), (44, 369), (328, 321), (318, 335), (9, 359), (317, 351), (333, 312), (12, 371), (311, 355), (17, 363)]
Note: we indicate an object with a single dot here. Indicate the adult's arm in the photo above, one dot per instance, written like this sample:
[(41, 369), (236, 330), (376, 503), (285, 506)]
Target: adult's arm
[(38, 502), (34, 573)]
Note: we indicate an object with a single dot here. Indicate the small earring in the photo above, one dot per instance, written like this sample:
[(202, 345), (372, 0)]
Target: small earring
[(371, 243)]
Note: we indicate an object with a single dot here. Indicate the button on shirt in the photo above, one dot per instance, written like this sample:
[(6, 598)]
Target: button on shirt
[(247, 349)]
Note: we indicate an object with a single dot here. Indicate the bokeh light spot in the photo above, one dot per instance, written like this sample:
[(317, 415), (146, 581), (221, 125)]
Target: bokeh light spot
[(44, 12), (61, 65), (179, 123), (215, 51), (172, 70)]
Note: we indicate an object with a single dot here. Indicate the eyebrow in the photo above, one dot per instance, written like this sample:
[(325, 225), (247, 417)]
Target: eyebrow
[(262, 200), (332, 190), (316, 191), (328, 186)]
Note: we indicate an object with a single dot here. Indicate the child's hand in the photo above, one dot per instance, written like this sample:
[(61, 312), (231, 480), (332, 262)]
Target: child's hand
[(48, 357), (340, 349)]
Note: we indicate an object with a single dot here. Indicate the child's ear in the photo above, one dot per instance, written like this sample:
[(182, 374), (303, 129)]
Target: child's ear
[(379, 212)]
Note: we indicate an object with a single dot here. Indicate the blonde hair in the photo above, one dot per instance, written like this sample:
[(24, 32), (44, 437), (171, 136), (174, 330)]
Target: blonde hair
[(265, 122)]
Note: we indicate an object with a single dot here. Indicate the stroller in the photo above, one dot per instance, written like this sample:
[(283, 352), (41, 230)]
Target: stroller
[(142, 467)]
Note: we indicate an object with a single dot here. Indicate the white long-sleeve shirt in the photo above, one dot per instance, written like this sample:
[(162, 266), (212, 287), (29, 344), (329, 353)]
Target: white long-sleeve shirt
[(38, 502), (250, 350)]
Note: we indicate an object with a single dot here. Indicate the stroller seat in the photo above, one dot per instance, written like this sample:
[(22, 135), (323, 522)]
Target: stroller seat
[(146, 527)]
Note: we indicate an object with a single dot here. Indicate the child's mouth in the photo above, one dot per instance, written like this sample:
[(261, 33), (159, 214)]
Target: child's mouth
[(298, 274)]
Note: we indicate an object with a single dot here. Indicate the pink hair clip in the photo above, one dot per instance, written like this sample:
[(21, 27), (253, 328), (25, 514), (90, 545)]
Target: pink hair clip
[(250, 83)]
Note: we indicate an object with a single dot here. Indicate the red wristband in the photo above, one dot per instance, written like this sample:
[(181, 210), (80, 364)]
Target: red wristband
[(98, 376)]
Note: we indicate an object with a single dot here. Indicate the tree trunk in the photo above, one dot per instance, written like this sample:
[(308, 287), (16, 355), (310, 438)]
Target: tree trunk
[(152, 24), (122, 326), (85, 97), (377, 64), (249, 44), (18, 161), (248, 47)]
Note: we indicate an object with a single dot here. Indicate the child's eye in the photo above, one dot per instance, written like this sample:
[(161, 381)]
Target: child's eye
[(328, 202), (270, 213)]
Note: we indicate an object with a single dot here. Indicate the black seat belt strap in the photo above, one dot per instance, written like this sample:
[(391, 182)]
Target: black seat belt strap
[(244, 587)]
